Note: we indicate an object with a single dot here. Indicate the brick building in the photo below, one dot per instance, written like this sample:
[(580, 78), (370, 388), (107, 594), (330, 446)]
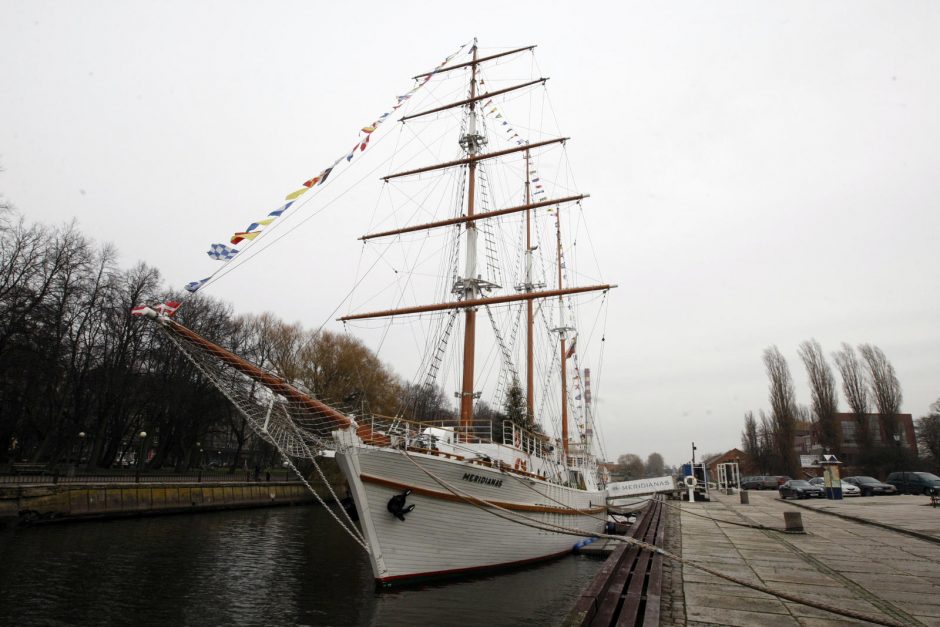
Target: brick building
[(806, 440)]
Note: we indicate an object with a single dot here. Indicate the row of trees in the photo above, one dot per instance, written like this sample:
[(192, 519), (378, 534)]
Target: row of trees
[(631, 466), (80, 376), (869, 384)]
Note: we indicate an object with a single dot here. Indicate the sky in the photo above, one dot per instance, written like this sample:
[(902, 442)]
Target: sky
[(761, 173)]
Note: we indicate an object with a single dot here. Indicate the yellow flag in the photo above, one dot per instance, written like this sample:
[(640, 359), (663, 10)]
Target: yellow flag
[(300, 192)]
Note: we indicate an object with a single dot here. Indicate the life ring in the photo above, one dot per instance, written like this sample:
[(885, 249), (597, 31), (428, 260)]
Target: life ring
[(521, 465), (690, 481)]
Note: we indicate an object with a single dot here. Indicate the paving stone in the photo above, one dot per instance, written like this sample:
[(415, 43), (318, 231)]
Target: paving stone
[(729, 600), (739, 617), (839, 562)]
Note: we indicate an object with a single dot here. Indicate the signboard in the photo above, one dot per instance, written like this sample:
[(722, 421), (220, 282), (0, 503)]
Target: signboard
[(640, 486)]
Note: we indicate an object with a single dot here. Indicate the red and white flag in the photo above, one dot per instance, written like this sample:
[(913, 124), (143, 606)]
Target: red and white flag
[(169, 308), (139, 310)]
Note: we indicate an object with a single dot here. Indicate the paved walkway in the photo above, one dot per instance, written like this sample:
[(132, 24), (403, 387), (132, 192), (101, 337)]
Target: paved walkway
[(840, 562)]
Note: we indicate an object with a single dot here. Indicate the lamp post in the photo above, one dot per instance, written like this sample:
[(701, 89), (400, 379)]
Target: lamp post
[(140, 455), (81, 448)]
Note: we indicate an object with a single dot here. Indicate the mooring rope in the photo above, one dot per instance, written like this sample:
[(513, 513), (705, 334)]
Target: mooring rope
[(487, 506)]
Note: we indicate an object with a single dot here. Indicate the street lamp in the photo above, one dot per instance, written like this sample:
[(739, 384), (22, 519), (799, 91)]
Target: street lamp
[(140, 455), (81, 448)]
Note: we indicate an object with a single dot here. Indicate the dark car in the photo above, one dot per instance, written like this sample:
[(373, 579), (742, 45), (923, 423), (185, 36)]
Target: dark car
[(759, 482), (800, 489), (848, 489), (869, 486), (915, 482)]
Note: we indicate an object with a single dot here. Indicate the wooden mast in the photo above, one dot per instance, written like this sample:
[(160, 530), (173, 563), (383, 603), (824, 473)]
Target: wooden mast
[(561, 331), (530, 375), (471, 290)]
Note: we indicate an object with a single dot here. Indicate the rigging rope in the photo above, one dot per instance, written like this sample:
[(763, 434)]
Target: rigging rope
[(528, 521)]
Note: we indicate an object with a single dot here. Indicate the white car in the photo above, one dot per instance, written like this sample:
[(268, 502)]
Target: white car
[(848, 489)]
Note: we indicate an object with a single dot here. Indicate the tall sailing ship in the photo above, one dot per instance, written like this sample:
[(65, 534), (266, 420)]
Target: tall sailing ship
[(461, 494)]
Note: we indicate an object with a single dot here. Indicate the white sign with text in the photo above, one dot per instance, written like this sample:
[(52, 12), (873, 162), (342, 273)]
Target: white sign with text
[(640, 486)]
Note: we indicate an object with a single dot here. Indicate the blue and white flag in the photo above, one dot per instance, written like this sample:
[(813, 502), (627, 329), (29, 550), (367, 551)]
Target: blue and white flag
[(222, 252), (195, 285)]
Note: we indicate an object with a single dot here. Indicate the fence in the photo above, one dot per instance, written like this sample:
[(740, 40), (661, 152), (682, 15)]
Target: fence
[(33, 474)]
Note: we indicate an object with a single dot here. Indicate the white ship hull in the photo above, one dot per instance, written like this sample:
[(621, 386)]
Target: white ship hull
[(446, 535)]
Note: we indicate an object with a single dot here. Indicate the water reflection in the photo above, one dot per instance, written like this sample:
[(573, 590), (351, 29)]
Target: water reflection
[(282, 566)]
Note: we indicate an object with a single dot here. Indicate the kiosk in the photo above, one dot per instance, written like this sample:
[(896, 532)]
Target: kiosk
[(831, 482)]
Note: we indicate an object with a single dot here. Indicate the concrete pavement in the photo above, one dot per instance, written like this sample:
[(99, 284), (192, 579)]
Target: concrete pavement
[(840, 562)]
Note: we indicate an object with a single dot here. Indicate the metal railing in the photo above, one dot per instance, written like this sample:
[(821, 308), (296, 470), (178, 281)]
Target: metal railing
[(33, 475)]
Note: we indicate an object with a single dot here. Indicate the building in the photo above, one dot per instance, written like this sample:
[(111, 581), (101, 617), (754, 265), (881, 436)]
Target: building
[(745, 466), (806, 441)]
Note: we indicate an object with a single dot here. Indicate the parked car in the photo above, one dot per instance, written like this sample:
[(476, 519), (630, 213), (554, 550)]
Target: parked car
[(915, 482), (870, 486), (781, 479), (759, 482), (800, 489), (848, 489)]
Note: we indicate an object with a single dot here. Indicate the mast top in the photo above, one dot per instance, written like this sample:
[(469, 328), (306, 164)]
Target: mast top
[(478, 61)]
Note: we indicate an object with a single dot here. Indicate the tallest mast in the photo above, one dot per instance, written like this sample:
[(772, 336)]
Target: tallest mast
[(470, 286)]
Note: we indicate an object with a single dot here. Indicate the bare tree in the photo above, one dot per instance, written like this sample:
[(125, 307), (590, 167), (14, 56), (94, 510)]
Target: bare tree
[(631, 466), (768, 460), (749, 441), (783, 409), (655, 466), (885, 388), (928, 433), (822, 385), (856, 395)]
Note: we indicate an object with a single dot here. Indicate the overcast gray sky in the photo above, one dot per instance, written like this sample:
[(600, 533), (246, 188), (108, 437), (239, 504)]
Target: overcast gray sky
[(761, 172)]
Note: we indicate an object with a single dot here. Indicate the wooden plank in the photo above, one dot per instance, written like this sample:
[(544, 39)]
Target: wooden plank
[(608, 605), (634, 594), (655, 588), (628, 587), (598, 586)]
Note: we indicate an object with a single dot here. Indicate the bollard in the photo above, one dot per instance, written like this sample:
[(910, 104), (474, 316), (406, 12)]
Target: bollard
[(793, 521), (745, 499)]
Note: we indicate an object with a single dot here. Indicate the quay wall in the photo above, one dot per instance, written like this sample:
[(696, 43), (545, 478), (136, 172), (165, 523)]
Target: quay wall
[(28, 503)]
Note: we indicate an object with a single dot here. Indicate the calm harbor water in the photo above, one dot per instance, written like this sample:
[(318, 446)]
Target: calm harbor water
[(277, 566)]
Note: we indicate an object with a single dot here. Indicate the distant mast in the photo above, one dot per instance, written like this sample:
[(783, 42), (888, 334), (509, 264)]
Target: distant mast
[(589, 415), (529, 368), (562, 333)]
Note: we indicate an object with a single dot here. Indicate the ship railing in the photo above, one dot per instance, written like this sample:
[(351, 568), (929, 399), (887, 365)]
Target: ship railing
[(528, 441), (429, 434)]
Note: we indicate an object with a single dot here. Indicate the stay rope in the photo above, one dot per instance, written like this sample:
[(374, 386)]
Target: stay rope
[(351, 530)]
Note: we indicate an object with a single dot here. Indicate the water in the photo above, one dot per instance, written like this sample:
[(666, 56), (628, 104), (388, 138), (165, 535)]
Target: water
[(277, 566)]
